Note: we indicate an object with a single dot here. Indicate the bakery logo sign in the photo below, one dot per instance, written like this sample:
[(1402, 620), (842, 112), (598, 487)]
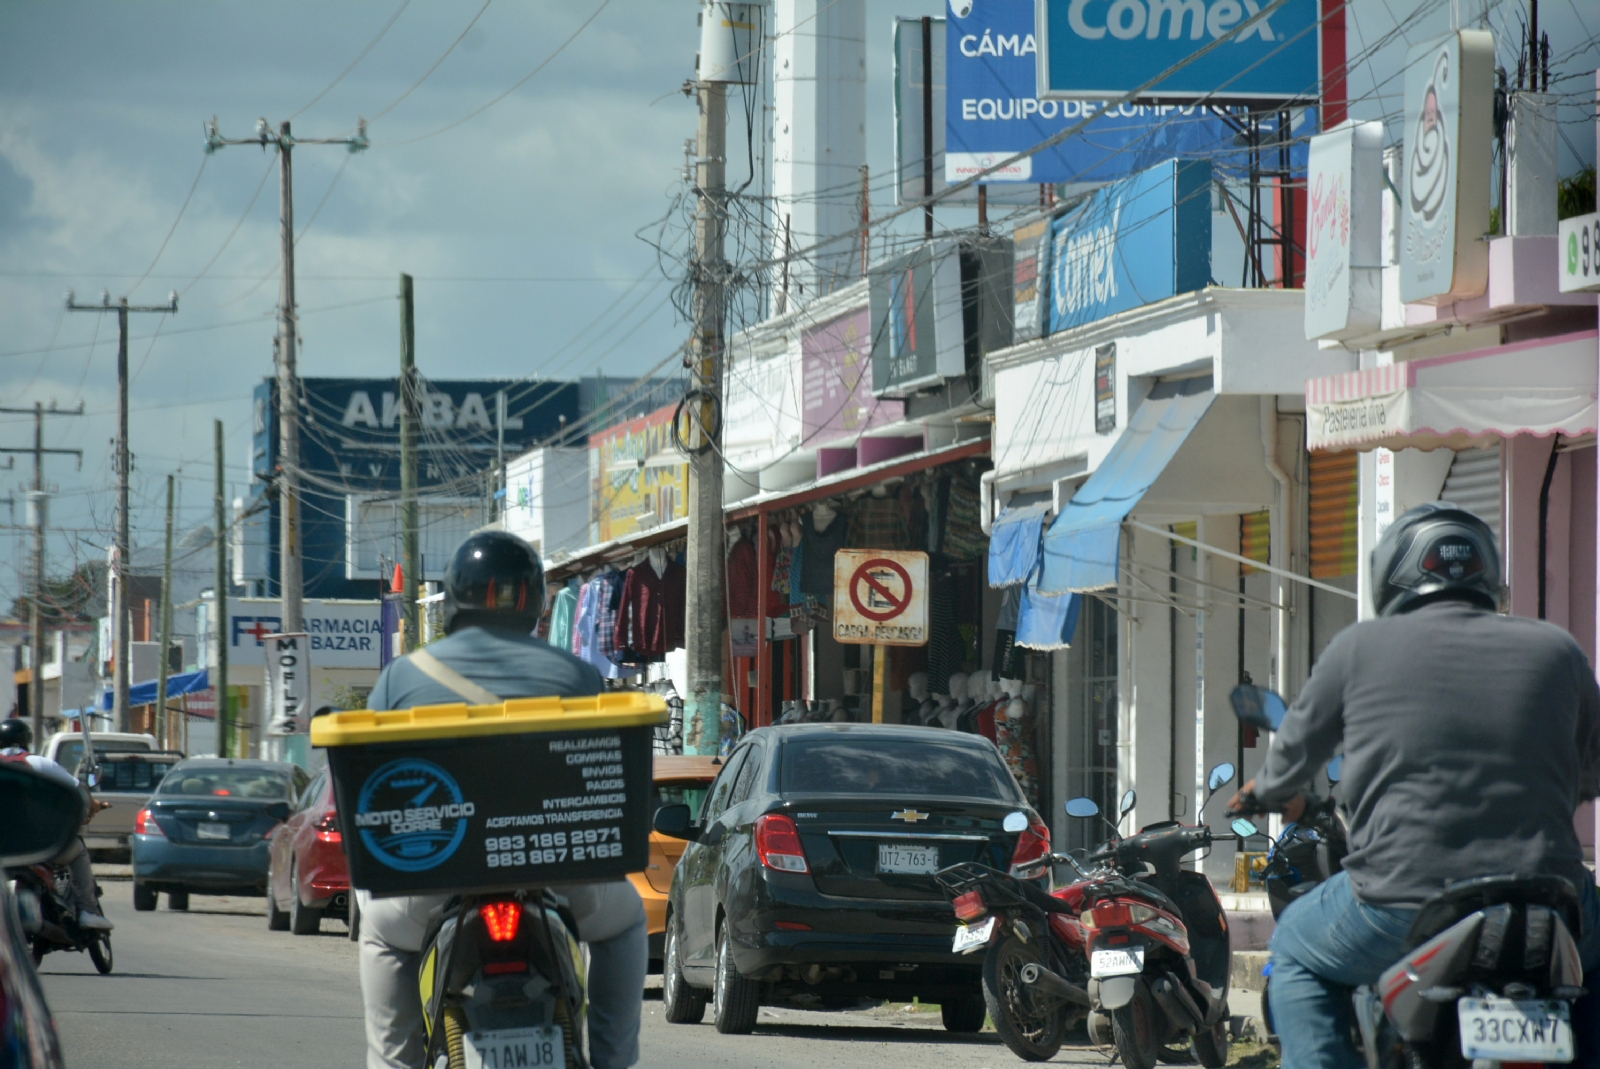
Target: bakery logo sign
[(412, 815), (1428, 169)]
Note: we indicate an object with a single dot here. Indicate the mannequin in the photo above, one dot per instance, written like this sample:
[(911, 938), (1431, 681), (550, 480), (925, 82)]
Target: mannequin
[(1014, 730), (821, 516), (921, 706)]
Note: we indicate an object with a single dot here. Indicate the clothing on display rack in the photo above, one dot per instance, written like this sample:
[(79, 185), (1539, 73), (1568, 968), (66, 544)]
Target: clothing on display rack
[(742, 580), (818, 550), (562, 611), (641, 627), (963, 535)]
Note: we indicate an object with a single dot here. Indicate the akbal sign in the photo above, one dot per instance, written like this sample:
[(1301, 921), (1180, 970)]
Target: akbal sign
[(1094, 49)]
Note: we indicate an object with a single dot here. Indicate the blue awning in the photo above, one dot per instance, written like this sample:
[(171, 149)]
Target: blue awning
[(1014, 544), (1082, 548), (1047, 621), (178, 684)]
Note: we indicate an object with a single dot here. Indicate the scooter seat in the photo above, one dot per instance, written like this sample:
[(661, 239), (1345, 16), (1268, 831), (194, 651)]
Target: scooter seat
[(1465, 897)]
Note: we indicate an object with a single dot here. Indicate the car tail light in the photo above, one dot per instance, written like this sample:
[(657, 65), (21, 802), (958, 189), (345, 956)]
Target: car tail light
[(145, 824), (327, 828), (503, 919), (970, 906), (778, 844), (1032, 845)]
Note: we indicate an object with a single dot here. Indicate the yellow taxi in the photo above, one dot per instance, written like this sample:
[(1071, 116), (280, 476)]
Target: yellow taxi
[(678, 781)]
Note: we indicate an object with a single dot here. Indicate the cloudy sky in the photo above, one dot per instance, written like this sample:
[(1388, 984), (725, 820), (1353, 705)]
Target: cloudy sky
[(517, 209)]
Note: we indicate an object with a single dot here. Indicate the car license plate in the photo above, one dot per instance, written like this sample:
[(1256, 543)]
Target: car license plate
[(972, 936), (1103, 963), (514, 1048), (208, 830), (898, 857), (1499, 1029)]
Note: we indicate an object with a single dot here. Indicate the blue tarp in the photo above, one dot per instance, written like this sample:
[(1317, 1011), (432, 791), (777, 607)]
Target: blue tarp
[(1014, 544), (1047, 621), (1082, 547), (145, 693)]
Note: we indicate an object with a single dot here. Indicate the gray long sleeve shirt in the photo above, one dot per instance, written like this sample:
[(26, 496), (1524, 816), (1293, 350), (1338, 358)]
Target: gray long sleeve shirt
[(1468, 738), (507, 662)]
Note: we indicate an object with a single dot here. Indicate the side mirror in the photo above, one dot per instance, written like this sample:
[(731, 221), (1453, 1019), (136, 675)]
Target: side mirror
[(41, 815), (92, 779), (278, 811), (675, 822), (1258, 707), (1245, 828), (1129, 800), (1082, 807), (1336, 769), (1220, 776)]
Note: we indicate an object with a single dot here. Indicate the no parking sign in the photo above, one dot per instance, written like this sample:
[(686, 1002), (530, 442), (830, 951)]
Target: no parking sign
[(880, 597)]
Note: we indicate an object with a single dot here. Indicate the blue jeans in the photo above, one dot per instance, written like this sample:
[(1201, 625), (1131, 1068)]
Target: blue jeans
[(1330, 942)]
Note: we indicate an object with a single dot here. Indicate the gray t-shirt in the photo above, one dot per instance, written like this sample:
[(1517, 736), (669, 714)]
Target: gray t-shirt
[(1469, 739), (509, 663)]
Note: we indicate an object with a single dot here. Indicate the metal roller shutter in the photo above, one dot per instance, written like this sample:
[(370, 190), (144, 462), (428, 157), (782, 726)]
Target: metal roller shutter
[(1475, 483), (1335, 500)]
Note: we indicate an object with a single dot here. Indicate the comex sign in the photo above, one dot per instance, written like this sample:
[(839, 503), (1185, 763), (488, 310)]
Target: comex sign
[(1100, 48)]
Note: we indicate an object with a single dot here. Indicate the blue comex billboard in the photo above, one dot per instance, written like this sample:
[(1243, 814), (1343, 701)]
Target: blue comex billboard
[(1135, 241), (993, 110), (1092, 49)]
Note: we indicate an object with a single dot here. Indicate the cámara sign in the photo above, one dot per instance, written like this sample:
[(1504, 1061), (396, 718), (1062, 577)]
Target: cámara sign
[(1093, 49)]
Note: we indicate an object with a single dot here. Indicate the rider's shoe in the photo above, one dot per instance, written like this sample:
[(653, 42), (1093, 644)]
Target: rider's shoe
[(94, 922)]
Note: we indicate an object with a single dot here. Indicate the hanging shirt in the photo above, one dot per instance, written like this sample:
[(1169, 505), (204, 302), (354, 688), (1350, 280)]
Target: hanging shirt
[(641, 619), (674, 604), (582, 622), (562, 610), (817, 552), (742, 580)]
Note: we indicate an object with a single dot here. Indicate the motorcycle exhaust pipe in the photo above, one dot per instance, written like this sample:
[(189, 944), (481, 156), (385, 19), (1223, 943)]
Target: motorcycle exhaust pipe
[(1176, 1003), (1049, 984), (54, 932)]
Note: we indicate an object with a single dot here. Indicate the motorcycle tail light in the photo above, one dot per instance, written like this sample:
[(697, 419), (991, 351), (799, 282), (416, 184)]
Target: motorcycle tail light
[(1032, 845), (145, 824), (970, 906), (502, 919), (778, 844), (501, 968), (1109, 914)]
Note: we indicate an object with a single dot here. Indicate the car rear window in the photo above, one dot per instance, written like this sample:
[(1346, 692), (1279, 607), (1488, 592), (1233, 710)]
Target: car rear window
[(132, 775), (893, 766), (69, 755), (226, 782)]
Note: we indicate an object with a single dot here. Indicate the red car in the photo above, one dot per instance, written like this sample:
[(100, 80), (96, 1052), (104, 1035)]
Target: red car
[(307, 878)]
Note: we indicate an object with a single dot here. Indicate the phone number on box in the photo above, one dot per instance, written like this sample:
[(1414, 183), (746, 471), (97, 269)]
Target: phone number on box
[(551, 848)]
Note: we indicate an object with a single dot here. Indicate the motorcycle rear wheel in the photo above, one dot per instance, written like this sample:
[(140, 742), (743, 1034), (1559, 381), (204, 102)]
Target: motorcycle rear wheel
[(100, 952), (1211, 1045), (1031, 1028), (1135, 1029)]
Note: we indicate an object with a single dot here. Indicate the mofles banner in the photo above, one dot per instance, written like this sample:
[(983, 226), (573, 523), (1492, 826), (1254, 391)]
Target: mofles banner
[(288, 682)]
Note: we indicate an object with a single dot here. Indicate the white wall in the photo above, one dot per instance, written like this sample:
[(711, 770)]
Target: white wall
[(547, 499)]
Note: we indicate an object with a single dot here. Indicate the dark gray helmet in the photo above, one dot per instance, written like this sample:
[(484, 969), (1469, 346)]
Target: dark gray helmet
[(15, 734), (495, 579), (1432, 552)]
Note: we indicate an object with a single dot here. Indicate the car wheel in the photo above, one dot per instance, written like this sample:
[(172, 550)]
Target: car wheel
[(1031, 1028), (277, 919), (738, 1000), (964, 1015), (683, 1002), (100, 952), (178, 900), (303, 920), (144, 898), (1134, 1028)]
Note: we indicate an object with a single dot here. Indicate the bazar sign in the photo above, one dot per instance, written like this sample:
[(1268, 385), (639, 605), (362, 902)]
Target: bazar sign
[(341, 634), (1106, 48)]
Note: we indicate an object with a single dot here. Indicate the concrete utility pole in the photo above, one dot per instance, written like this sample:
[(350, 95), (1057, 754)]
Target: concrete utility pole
[(37, 515), (120, 626), (219, 601), (291, 551), (163, 729), (410, 416)]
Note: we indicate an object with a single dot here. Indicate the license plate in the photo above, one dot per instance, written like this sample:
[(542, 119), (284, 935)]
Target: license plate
[(208, 830), (515, 1048), (1103, 963), (1500, 1029), (972, 936), (898, 857)]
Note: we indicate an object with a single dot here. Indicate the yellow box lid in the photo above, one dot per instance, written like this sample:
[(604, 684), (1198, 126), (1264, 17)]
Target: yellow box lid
[(517, 716)]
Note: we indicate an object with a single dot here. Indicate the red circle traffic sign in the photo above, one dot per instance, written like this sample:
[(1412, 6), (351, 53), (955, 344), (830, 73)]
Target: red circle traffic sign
[(863, 575)]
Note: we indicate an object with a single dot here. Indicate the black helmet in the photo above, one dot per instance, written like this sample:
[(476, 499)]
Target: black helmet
[(1432, 552), (495, 579), (15, 734)]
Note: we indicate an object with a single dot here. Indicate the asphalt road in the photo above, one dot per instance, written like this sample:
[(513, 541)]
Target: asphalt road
[(212, 988)]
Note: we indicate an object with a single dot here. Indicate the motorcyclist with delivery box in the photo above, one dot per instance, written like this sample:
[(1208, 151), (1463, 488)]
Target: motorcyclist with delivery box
[(494, 596), (1469, 738)]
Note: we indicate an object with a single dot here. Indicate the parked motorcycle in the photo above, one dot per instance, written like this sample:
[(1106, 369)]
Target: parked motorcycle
[(1500, 950), (1034, 966), (1159, 957), (49, 916), (502, 981)]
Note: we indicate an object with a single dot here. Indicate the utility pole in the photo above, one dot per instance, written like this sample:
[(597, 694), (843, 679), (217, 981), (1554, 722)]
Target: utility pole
[(121, 624), (163, 732), (291, 571), (219, 602), (927, 128), (707, 607), (410, 416), (500, 485), (38, 517)]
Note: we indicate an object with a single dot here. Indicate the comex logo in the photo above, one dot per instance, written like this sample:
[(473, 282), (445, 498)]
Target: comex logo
[(412, 815), (1127, 19)]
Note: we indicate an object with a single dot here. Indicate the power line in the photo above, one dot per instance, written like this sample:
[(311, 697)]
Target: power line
[(429, 72), (355, 62)]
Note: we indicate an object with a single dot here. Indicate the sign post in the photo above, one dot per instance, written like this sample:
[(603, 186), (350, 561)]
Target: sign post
[(288, 682), (880, 599)]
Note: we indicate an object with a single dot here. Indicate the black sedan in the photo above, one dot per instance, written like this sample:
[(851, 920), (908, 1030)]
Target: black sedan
[(808, 878), (205, 829)]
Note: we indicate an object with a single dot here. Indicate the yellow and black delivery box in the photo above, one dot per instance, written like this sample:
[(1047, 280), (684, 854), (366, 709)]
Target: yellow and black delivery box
[(458, 798)]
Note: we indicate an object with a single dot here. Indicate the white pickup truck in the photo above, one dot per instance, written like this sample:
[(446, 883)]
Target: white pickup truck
[(130, 768)]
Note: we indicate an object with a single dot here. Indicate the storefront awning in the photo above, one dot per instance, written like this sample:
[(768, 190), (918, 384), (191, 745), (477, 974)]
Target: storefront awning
[(1081, 549), (1014, 544), (178, 684), (1540, 387)]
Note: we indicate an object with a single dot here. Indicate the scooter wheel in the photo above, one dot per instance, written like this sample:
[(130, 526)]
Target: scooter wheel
[(1030, 1027), (1135, 1028)]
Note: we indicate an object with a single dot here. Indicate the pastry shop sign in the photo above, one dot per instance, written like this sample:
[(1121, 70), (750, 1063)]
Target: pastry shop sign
[(880, 597)]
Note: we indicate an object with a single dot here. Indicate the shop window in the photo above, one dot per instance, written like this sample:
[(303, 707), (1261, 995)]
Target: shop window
[(1092, 728), (1335, 495)]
